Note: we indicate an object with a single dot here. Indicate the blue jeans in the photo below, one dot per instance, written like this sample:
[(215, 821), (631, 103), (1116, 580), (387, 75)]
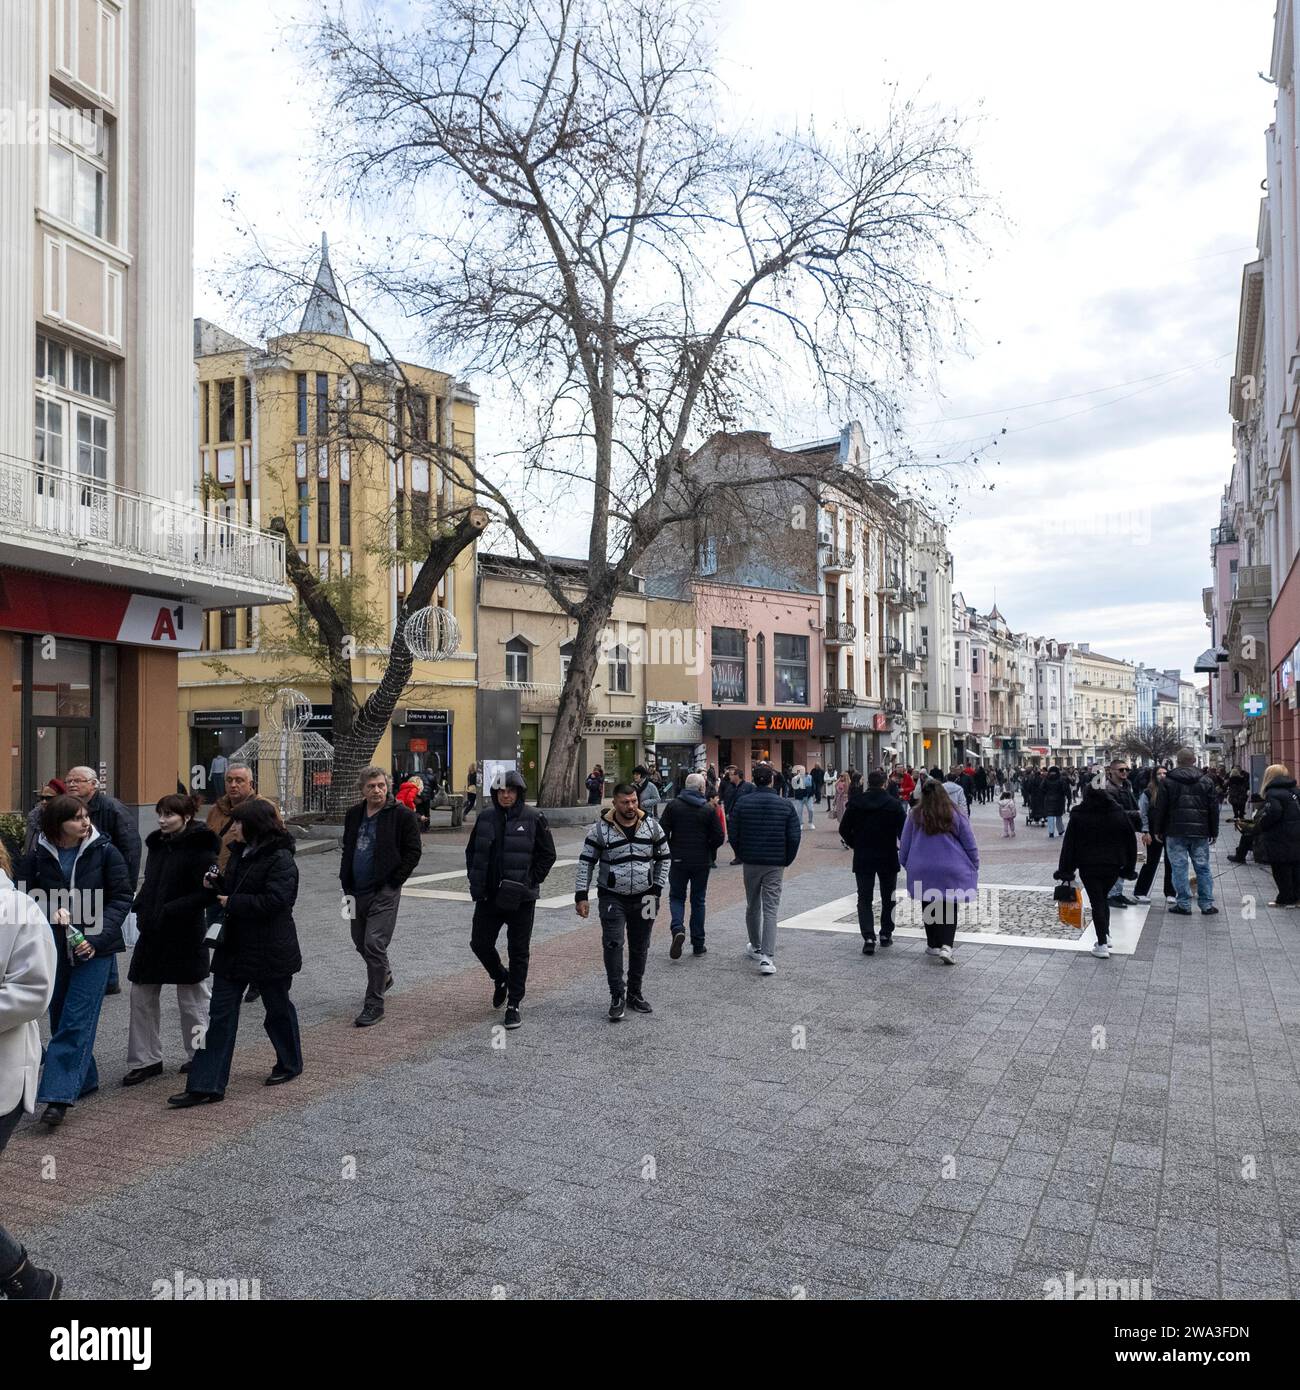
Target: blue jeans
[(70, 1070), (1179, 849), (806, 803), (1054, 825), (681, 877)]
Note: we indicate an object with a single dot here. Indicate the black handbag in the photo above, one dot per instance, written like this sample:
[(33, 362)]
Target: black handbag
[(511, 894), (1064, 892)]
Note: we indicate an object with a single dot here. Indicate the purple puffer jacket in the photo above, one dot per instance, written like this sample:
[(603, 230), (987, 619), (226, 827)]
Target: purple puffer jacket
[(939, 863)]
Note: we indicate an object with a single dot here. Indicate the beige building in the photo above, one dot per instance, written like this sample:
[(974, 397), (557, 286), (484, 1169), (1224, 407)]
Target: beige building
[(107, 565), (314, 430), (1102, 698), (524, 644)]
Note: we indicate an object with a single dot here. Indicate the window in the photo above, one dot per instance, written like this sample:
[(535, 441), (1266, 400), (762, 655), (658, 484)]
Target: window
[(303, 514), (760, 669), (227, 639), (790, 669), (706, 556), (225, 411), (345, 513), (76, 170), (974, 662), (419, 416), (956, 655), (49, 433), (517, 661), (302, 403), (728, 644), (92, 445), (620, 672), (322, 403), (92, 376), (248, 408), (51, 362), (323, 511), (925, 642), (566, 659), (323, 563), (922, 583), (957, 697)]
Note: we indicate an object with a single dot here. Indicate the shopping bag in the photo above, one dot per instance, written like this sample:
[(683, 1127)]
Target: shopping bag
[(1071, 913)]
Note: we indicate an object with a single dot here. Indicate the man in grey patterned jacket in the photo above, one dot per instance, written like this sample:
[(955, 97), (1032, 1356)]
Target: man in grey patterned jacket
[(627, 854)]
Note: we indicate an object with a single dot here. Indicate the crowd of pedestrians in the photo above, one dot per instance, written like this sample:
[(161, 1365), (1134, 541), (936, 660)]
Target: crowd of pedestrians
[(213, 914)]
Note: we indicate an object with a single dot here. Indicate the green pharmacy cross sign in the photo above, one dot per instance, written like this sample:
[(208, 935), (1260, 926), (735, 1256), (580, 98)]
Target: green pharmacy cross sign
[(1253, 706)]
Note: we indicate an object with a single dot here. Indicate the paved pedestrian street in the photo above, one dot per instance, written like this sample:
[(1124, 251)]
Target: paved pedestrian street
[(851, 1127)]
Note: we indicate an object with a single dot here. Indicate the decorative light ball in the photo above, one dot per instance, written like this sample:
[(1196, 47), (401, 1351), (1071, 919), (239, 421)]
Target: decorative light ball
[(432, 634), (292, 707)]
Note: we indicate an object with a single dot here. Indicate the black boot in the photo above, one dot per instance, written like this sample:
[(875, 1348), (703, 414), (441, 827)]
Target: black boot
[(29, 1284)]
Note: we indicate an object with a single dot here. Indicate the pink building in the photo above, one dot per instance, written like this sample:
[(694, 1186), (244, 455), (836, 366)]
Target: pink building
[(761, 689)]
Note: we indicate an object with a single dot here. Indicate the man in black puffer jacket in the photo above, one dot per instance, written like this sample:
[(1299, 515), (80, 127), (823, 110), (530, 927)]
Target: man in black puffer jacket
[(1186, 818), (507, 858), (873, 821), (381, 847), (694, 833), (1052, 792)]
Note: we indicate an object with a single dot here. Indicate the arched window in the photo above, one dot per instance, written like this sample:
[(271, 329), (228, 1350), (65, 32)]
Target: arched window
[(517, 661)]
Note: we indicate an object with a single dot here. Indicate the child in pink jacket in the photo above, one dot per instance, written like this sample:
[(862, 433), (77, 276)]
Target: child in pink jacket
[(1007, 810)]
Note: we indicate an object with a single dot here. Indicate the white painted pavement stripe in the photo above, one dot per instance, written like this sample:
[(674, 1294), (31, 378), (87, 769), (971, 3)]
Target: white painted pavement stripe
[(416, 879), (1125, 926)]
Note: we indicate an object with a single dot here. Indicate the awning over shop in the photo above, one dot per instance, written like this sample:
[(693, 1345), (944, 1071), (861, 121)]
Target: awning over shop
[(1211, 659)]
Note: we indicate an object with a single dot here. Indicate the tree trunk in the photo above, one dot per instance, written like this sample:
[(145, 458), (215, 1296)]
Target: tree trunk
[(564, 772)]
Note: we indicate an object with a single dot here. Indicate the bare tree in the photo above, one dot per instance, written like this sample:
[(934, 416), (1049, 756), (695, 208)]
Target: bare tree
[(1155, 743), (581, 226)]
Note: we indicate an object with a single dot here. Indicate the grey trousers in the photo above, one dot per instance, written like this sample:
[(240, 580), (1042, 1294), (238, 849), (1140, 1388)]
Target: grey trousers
[(763, 894), (373, 922), (144, 1040)]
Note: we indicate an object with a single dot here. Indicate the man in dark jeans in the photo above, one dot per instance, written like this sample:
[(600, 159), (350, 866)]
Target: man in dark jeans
[(694, 832), (509, 853), (381, 847), (626, 854), (873, 821)]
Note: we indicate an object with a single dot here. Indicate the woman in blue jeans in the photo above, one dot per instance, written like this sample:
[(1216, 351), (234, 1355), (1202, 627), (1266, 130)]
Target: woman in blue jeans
[(82, 879)]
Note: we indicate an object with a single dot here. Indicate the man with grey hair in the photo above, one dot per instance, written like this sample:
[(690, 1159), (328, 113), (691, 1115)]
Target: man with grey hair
[(381, 847), (116, 824), (694, 831)]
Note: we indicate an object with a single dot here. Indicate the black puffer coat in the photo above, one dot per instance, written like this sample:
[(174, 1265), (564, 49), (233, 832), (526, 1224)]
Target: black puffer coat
[(1188, 806), (1277, 833), (170, 907), (512, 843), (694, 830), (1052, 791), (259, 940), (1099, 840), (872, 824)]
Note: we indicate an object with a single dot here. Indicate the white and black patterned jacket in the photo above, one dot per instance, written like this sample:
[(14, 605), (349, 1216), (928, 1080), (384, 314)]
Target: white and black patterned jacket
[(629, 862)]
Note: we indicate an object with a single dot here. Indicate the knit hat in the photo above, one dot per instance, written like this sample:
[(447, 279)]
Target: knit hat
[(58, 786)]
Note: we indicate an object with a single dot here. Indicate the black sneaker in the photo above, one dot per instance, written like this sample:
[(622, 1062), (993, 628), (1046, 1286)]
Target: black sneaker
[(679, 940), (886, 940), (1181, 911), (1209, 911), (499, 993), (138, 1074), (53, 1114), (868, 948), (27, 1283), (512, 1017), (1121, 903), (699, 950), (638, 1005), (617, 1007), (252, 994), (367, 1018)]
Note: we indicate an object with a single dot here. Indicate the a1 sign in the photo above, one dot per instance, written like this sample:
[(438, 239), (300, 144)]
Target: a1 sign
[(153, 622), (1252, 706)]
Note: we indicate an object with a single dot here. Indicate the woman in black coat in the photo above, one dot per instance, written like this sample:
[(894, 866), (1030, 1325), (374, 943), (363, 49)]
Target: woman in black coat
[(170, 911), (73, 865), (257, 944), (1101, 846), (1277, 834)]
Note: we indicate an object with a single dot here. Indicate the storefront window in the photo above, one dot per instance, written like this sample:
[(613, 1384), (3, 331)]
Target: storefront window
[(791, 669), (728, 666), (61, 678)]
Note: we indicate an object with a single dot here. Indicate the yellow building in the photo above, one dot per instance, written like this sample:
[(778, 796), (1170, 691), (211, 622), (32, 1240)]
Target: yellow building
[(314, 430), (1104, 699)]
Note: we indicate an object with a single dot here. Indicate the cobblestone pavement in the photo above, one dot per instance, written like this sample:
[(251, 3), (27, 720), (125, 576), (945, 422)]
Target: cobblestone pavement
[(852, 1126)]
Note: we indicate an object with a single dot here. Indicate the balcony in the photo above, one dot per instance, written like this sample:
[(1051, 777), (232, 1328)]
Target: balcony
[(910, 661), (838, 633), (54, 519), (889, 583), (892, 706), (838, 561), (890, 648), (1223, 535), (903, 598), (840, 699), (1254, 583)]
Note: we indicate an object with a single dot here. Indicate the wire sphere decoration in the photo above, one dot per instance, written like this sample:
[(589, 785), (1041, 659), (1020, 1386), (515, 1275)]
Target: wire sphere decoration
[(432, 634), (289, 709)]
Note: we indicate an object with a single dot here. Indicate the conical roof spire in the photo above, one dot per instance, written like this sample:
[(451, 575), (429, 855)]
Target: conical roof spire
[(324, 311)]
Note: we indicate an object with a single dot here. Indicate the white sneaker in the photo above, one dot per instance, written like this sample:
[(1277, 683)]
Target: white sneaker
[(752, 951), (946, 955), (765, 966), (932, 950), (1173, 902), (1141, 898), (1101, 950)]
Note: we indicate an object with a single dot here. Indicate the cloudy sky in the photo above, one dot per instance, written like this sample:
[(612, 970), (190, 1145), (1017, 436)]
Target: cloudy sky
[(1124, 146)]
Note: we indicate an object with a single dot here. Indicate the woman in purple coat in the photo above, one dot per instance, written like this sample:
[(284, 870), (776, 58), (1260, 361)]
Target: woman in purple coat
[(938, 851)]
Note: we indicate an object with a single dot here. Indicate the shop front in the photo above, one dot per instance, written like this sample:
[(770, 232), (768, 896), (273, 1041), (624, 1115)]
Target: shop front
[(422, 742), (215, 734), (674, 739), (614, 741), (744, 737)]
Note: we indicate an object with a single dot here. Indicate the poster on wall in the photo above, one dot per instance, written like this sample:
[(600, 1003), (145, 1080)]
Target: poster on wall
[(675, 721), (493, 766)]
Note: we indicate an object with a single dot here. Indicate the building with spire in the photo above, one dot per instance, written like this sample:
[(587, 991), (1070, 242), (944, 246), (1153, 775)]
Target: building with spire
[(314, 429)]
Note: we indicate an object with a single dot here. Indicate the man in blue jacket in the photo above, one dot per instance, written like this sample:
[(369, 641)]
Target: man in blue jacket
[(764, 831)]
